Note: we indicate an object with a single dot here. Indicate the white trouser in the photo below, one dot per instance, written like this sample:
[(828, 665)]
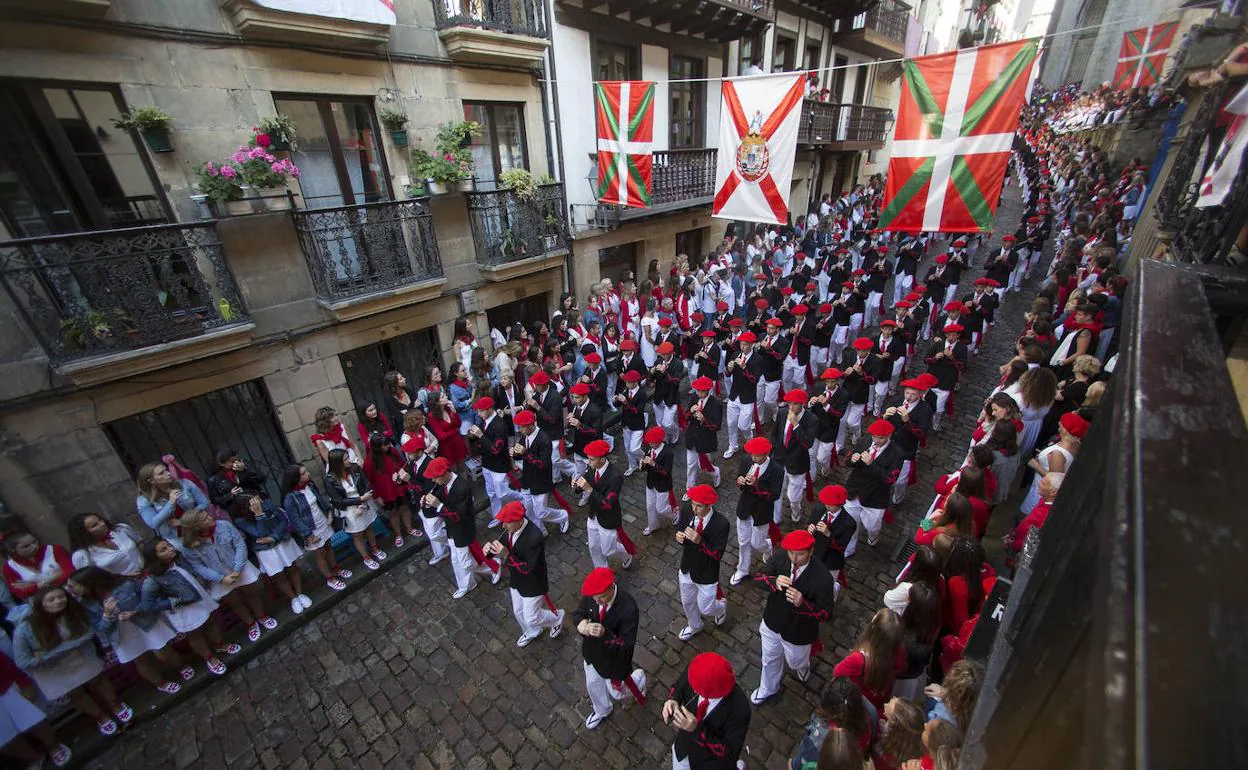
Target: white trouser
[(539, 510), (840, 338), (435, 530), (1016, 277), (497, 489), (768, 395), (851, 425), (555, 460), (1000, 292), (871, 519), (466, 568), (794, 490), (740, 421), (603, 543), (942, 400), (903, 481), (877, 396), (658, 505), (899, 366), (855, 324), (902, 284), (693, 466), (698, 601), (872, 314), (793, 376), (602, 692), (612, 384), (632, 446), (573, 465), (818, 359), (532, 613), (823, 455), (778, 653), (751, 539), (665, 418), (951, 293)]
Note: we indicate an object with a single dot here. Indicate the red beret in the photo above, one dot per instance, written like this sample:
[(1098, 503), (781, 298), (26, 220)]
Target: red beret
[(665, 321), (920, 289), (798, 540), (796, 396), (863, 343), (928, 379), (761, 303), (439, 466), (774, 322), (524, 417), (786, 290), (665, 348), (811, 286), (697, 316), (512, 511), (800, 309), (540, 377), (703, 494), (734, 322), (833, 494), (632, 375), (703, 383), (831, 373), (758, 446), (721, 306), (954, 306), (959, 244), (941, 259), (711, 675), (825, 307), (709, 334), (628, 344), (903, 303), (847, 284), (579, 389), (1075, 425), (747, 337), (1009, 238), (860, 271), (485, 402), (414, 444), (655, 435), (953, 329), (881, 428), (599, 581), (593, 358), (888, 322), (918, 383), (597, 448)]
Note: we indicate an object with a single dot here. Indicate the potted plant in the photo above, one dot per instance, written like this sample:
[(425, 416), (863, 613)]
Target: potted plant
[(520, 182), (152, 123), (238, 185), (275, 133), (550, 232), (395, 122)]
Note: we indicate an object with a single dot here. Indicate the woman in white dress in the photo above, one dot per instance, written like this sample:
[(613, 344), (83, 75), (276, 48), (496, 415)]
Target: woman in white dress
[(1034, 393), (649, 331), (270, 536), (352, 497), (331, 434), (53, 645), (174, 590), (312, 517), (1056, 457), (94, 541), (217, 552)]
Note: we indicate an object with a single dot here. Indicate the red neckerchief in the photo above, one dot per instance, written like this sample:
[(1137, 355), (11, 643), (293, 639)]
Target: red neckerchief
[(231, 475), (593, 339), (467, 339), (461, 382), (32, 563)]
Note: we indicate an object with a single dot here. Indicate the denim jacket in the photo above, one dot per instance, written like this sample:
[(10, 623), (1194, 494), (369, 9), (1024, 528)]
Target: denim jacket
[(807, 756), (300, 513), (216, 558), (271, 522), (129, 596), (168, 591), (29, 654), (461, 399), (159, 515)]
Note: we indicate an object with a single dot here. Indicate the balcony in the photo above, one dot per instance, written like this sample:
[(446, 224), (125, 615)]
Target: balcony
[(878, 33), (79, 8), (682, 179), (255, 20), (843, 126), (372, 257), (131, 300), (514, 237), (719, 21), (509, 32)]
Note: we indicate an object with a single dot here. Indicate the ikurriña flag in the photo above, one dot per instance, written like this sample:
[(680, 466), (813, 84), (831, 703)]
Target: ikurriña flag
[(955, 128), (1143, 54), (625, 111)]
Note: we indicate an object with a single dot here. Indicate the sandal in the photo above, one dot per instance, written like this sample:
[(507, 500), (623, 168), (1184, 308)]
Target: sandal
[(229, 649), (371, 564), (123, 713), (187, 673), (345, 574), (215, 666), (61, 755), (398, 541), (379, 555), (414, 532)]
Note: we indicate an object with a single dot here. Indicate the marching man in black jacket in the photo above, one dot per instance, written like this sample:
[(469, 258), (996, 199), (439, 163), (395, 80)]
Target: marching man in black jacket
[(945, 361), (631, 400), (660, 495), (711, 715), (745, 370), (537, 476), (601, 484), (860, 370), (706, 414), (523, 549), (547, 406), (801, 595), (607, 620), (912, 419), (451, 499), (666, 375), (703, 535), (773, 347), (891, 348), (584, 426), (873, 471), (760, 481), (491, 436), (832, 529), (793, 437), (418, 458)]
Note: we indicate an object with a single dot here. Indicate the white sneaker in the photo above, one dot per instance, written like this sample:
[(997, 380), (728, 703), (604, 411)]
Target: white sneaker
[(757, 697), (525, 639), (688, 633), (729, 454), (557, 628), (802, 676), (296, 606), (647, 532), (498, 575), (563, 528), (305, 600), (627, 563), (437, 559), (628, 472), (719, 621), (595, 719), (737, 577), (461, 593), (584, 501)]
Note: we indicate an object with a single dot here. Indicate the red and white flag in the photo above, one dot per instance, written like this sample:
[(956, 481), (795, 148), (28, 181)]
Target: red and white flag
[(955, 128), (625, 116), (1143, 54), (1225, 168), (758, 125)]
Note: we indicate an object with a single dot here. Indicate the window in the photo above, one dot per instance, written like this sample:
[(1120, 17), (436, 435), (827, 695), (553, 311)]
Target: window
[(784, 57), (616, 61), (527, 311), (811, 62), (614, 260), (841, 65), (411, 354), (64, 166), (688, 103), (339, 152), (501, 145), (860, 85), (689, 243), (751, 50)]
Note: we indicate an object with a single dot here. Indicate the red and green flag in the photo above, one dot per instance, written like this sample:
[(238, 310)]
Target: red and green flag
[(625, 141), (955, 127), (1143, 54)]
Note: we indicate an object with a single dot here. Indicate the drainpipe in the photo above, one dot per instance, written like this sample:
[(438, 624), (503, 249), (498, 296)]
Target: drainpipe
[(554, 160)]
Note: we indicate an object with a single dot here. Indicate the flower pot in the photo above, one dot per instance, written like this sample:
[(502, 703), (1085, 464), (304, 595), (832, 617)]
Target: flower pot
[(467, 185), (399, 137), (237, 208), (438, 188), (157, 139), (274, 199), (418, 190), (277, 143), (203, 209), (550, 242)]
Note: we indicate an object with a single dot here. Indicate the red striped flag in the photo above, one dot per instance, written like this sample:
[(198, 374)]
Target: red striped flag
[(1143, 54), (625, 141)]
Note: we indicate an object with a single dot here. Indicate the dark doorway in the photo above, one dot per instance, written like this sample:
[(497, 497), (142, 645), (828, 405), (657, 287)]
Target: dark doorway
[(410, 354), (527, 311)]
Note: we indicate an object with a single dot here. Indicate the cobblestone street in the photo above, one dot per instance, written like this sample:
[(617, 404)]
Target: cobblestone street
[(399, 675)]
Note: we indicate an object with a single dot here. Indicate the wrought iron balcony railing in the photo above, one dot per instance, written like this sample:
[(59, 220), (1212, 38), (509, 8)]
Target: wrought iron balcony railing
[(357, 250), (825, 123), (681, 178), (890, 24), (506, 228), (519, 17), (111, 291)]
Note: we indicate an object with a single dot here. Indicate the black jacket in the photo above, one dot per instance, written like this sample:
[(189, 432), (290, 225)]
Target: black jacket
[(701, 560), (611, 654), (795, 455), (633, 410), (504, 405), (604, 496), (493, 444), (896, 349), (830, 548), (550, 411), (337, 493), (946, 370), (871, 483), (590, 429), (536, 473), (219, 487), (667, 382), (634, 364), (659, 475), (773, 357), (757, 501), (458, 511), (797, 624), (709, 366), (745, 379), (598, 387), (526, 561), (703, 435), (911, 434), (858, 385), (716, 743), (829, 416)]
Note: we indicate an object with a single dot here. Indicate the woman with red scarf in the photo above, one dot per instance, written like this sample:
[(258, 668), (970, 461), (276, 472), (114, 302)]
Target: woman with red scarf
[(370, 421), (386, 470), (444, 422), (465, 342), (33, 565), (331, 434)]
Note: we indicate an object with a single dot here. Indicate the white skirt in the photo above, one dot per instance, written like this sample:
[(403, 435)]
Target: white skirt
[(17, 715), (248, 575), (189, 617), (355, 523), (279, 557), (133, 641), (71, 671), (322, 530)]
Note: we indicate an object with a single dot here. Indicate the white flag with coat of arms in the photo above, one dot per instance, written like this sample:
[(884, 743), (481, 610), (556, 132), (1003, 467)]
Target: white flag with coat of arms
[(758, 126)]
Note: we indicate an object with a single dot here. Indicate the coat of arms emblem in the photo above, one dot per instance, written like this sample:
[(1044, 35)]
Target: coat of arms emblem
[(753, 160)]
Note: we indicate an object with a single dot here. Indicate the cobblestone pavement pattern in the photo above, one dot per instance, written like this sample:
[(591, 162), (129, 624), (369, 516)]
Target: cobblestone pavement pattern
[(401, 676)]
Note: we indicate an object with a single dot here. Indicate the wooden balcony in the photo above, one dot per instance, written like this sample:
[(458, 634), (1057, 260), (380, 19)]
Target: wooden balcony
[(718, 21), (838, 127), (878, 33), (510, 32), (682, 179)]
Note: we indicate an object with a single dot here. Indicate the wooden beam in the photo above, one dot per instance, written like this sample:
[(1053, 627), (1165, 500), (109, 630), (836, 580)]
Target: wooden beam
[(611, 28)]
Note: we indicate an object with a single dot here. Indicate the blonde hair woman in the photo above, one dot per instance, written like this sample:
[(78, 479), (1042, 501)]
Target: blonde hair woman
[(163, 499)]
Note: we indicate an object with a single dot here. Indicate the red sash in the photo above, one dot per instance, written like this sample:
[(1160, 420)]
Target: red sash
[(629, 548), (549, 604), (774, 534), (479, 556), (628, 682), (810, 489)]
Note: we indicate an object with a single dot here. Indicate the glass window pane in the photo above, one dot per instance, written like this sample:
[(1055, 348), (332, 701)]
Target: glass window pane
[(318, 178), (354, 124), (482, 147), (32, 199), (509, 131)]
